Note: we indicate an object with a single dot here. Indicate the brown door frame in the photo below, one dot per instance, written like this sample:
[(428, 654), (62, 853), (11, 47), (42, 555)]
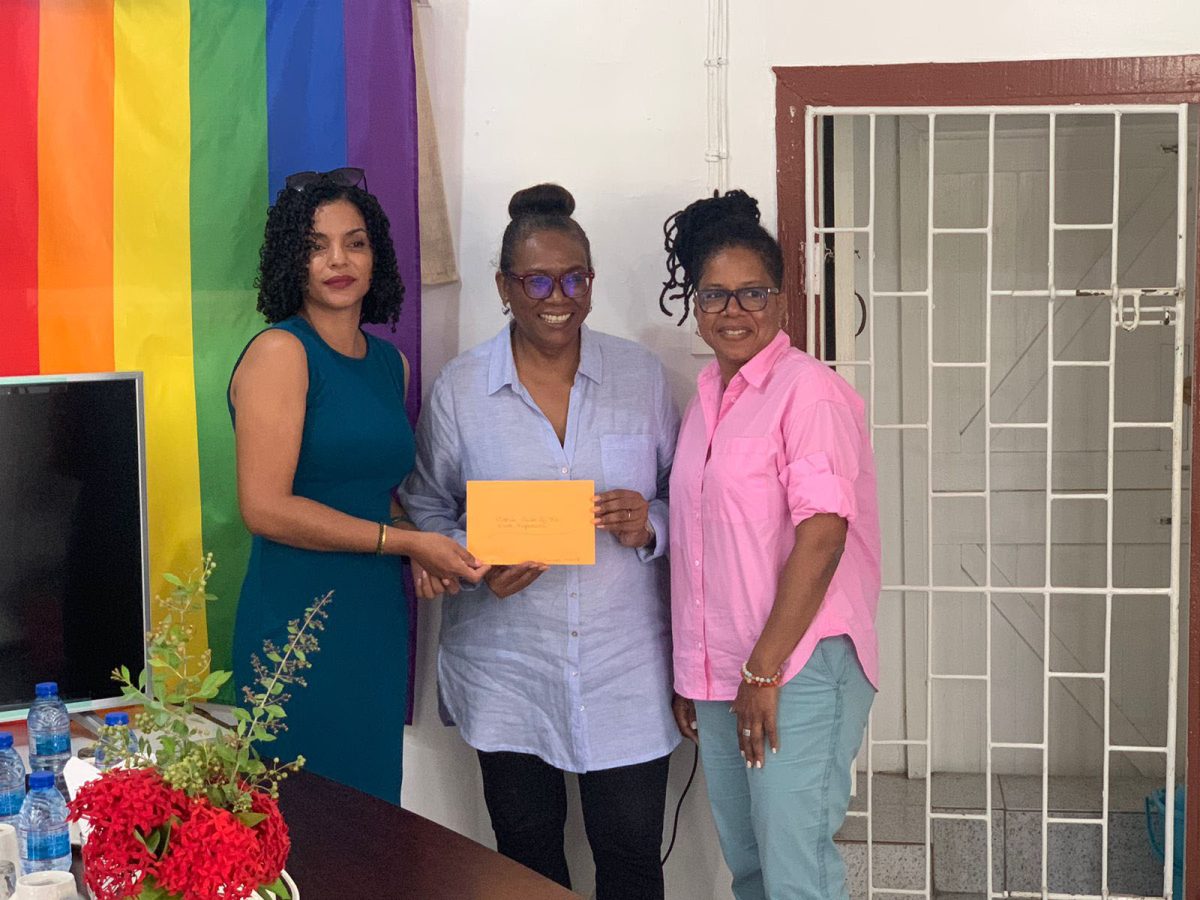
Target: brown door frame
[(1149, 79)]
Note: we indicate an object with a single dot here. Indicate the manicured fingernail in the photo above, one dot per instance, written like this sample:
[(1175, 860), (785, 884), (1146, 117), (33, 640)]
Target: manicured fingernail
[(748, 766), (758, 765), (743, 752), (774, 749), (695, 727), (731, 709)]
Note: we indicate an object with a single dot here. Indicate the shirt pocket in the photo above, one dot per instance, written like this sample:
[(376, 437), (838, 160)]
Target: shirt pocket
[(744, 481), (630, 462)]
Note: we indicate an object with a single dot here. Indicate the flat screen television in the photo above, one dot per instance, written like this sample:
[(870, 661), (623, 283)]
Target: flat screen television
[(74, 586)]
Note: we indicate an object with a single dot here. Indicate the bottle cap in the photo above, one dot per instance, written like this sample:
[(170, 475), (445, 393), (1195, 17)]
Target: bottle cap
[(41, 779), (47, 689), (117, 718), (5, 740)]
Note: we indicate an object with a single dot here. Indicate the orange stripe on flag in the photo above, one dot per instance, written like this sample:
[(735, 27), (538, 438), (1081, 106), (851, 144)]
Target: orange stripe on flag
[(75, 186)]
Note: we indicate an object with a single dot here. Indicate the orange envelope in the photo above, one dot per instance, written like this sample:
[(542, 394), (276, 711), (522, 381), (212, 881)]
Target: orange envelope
[(511, 522)]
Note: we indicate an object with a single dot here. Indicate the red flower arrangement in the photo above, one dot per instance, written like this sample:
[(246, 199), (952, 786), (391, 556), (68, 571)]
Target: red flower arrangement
[(190, 815), (207, 853)]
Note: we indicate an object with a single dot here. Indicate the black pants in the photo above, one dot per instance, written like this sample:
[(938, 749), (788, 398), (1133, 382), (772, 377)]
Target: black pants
[(622, 812)]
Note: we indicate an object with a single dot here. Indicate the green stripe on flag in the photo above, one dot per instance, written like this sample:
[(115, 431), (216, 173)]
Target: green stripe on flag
[(228, 205)]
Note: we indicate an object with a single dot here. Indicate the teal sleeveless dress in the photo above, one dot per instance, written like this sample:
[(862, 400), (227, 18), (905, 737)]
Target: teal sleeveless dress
[(348, 723)]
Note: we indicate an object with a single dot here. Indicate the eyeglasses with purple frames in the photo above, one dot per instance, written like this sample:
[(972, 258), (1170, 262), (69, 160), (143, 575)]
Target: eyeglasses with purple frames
[(539, 286)]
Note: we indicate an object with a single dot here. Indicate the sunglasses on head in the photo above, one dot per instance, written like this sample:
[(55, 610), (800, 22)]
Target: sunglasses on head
[(347, 176)]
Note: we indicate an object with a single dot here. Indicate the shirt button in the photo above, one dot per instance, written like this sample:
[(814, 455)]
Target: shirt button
[(564, 470), (575, 674), (696, 562), (573, 594), (574, 634), (582, 708)]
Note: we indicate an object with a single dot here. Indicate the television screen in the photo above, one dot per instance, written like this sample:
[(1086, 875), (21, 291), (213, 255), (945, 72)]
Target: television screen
[(73, 585)]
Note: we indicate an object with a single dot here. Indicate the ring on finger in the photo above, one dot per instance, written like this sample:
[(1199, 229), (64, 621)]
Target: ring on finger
[(745, 732)]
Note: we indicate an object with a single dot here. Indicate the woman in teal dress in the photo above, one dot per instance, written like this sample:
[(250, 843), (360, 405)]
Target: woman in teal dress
[(322, 438)]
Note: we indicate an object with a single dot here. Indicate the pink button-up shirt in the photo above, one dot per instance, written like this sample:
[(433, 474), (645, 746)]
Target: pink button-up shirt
[(784, 441)]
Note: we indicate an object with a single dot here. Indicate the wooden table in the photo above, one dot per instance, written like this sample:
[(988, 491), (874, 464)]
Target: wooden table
[(348, 844)]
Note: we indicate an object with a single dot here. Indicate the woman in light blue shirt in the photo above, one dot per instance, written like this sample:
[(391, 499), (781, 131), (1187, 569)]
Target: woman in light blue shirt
[(559, 669)]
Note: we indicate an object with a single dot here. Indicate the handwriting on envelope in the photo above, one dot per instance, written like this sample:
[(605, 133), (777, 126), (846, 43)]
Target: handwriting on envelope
[(511, 522)]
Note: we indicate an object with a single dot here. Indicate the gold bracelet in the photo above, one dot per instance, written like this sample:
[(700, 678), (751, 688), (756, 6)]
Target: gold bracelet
[(382, 538)]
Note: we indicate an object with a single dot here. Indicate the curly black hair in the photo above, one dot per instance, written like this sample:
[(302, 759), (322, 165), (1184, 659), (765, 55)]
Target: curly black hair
[(694, 234), (283, 259), (543, 207)]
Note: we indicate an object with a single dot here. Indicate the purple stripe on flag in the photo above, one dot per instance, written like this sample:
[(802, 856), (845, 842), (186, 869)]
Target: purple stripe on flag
[(381, 137), (381, 119)]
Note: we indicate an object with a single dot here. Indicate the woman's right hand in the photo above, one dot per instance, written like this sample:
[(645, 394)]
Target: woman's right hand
[(445, 560), (508, 580), (685, 717)]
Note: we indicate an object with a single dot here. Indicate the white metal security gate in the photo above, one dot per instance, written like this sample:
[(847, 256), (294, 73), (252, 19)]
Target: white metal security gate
[(1129, 307)]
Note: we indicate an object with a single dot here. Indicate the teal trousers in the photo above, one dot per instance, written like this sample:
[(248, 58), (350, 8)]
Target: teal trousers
[(777, 823)]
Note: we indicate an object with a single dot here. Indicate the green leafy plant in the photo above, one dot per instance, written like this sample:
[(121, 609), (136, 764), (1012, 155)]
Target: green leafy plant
[(225, 766), (186, 764)]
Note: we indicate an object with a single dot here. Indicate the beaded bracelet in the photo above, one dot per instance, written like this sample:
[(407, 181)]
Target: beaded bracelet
[(382, 539), (753, 680)]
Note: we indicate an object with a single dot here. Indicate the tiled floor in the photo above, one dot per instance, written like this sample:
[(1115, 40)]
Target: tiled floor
[(959, 847)]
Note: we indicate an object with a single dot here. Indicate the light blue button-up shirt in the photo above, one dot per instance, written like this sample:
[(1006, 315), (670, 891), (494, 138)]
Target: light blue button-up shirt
[(576, 668)]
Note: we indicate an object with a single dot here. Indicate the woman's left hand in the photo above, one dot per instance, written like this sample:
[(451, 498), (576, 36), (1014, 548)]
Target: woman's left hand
[(623, 514), (428, 587), (755, 709)]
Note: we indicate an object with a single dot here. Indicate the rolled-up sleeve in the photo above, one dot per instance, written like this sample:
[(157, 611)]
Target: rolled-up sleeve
[(821, 448)]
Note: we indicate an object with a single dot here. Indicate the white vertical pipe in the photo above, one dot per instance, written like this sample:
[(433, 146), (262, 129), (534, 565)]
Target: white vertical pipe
[(716, 64), (1049, 507), (987, 494), (1180, 326), (929, 512), (1114, 250), (868, 317), (813, 266), (845, 310)]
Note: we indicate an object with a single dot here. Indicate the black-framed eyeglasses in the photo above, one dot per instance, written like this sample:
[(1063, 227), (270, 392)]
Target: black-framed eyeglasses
[(539, 286), (347, 176), (750, 299)]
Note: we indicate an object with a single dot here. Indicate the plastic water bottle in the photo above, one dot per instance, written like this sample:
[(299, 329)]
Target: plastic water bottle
[(44, 836), (12, 780), (49, 732), (116, 720)]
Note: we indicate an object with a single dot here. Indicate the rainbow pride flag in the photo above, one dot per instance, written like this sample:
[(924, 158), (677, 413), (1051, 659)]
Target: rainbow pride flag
[(144, 140)]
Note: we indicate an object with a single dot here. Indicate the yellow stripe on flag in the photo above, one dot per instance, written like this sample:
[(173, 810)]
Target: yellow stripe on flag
[(152, 314)]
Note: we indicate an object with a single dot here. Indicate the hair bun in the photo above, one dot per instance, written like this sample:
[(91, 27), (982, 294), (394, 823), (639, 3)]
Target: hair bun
[(735, 204), (738, 204), (541, 200)]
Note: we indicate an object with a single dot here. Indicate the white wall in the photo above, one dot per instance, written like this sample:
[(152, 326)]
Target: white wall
[(608, 98)]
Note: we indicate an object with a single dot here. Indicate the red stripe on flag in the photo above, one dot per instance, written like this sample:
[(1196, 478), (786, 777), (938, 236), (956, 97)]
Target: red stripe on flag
[(18, 175)]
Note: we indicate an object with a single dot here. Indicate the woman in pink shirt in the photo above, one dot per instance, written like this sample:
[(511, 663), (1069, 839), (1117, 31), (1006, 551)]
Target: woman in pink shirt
[(774, 542)]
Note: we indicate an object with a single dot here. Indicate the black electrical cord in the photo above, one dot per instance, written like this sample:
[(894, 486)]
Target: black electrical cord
[(679, 806)]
